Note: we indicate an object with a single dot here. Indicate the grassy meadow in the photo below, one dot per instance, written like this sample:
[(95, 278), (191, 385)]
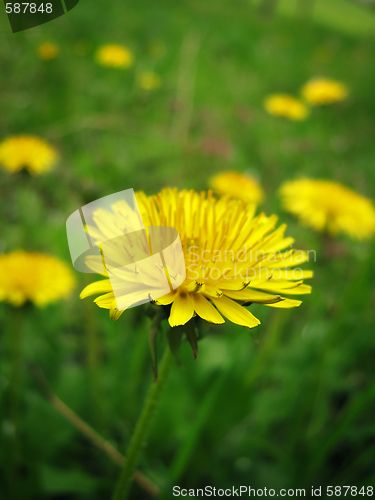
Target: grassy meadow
[(289, 404)]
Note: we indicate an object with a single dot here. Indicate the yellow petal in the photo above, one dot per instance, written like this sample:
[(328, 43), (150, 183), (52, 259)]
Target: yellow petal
[(235, 313), (286, 304), (299, 290), (114, 313), (194, 286), (166, 299), (275, 285), (287, 260), (206, 310), (182, 309), (294, 274), (232, 284), (105, 301), (95, 263), (212, 291), (103, 286), (249, 295)]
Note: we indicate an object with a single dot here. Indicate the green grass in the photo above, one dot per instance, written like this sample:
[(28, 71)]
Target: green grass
[(293, 406), (346, 16)]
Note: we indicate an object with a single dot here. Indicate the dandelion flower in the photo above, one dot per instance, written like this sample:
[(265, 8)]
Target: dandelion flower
[(35, 277), (236, 185), (26, 151), (48, 50), (149, 80), (232, 258), (115, 56), (329, 206), (286, 106), (322, 91)]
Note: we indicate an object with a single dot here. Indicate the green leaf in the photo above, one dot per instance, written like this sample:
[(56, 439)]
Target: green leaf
[(154, 330), (189, 329), (174, 336), (58, 481)]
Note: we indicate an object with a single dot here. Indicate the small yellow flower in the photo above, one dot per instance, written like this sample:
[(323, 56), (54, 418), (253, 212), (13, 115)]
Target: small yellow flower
[(48, 50), (35, 277), (26, 151), (232, 259), (236, 185), (286, 106), (323, 91), (115, 56), (329, 206), (149, 80)]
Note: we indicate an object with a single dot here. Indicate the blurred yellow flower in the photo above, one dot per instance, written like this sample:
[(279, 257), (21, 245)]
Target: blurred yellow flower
[(116, 56), (323, 91), (286, 106), (26, 151), (48, 50), (232, 259), (35, 277), (329, 206), (237, 185), (149, 80)]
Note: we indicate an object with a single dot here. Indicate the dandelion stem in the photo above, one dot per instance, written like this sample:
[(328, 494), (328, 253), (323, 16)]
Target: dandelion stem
[(141, 430), (186, 86), (14, 399), (91, 433), (92, 360)]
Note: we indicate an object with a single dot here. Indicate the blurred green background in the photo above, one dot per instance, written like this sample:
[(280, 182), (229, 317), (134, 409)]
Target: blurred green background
[(290, 405)]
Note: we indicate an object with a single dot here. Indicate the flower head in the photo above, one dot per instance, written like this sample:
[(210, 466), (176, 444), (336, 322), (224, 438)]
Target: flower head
[(149, 80), (323, 91), (48, 50), (286, 106), (34, 277), (26, 151), (237, 185), (115, 56), (329, 206), (232, 258)]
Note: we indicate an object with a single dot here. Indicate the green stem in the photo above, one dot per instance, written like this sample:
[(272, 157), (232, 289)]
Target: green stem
[(89, 432), (92, 360), (141, 430), (14, 387)]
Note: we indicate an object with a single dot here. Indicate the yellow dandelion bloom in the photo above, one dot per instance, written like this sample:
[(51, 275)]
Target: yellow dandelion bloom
[(115, 56), (26, 151), (149, 80), (232, 258), (329, 206), (34, 277), (48, 50), (237, 185), (323, 91), (286, 106)]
